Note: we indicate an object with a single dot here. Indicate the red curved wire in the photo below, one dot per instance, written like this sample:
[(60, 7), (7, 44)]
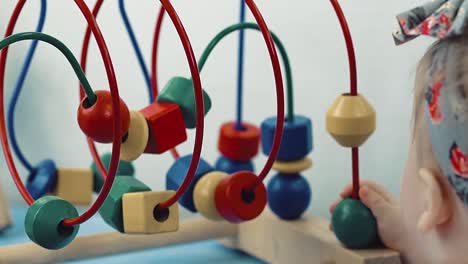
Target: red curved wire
[(4, 136), (115, 103), (154, 53), (353, 89), (278, 80), (154, 63), (83, 63), (279, 91), (349, 46), (198, 100)]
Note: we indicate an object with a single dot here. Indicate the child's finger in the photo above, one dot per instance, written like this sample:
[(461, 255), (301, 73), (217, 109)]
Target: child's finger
[(375, 201), (334, 204), (348, 189), (379, 189)]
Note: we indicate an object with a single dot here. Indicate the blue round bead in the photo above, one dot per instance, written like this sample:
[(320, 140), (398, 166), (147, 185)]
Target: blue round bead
[(176, 175), (231, 166), (297, 139), (42, 179), (289, 195)]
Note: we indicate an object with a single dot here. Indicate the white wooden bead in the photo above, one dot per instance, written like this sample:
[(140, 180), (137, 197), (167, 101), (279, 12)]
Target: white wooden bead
[(204, 195), (137, 137), (138, 213), (74, 185), (292, 167)]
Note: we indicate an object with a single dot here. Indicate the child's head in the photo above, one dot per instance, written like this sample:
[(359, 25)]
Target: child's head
[(435, 186)]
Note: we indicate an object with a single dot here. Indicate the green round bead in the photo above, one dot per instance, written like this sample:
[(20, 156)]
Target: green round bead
[(43, 222), (111, 210), (179, 91), (125, 169), (354, 224)]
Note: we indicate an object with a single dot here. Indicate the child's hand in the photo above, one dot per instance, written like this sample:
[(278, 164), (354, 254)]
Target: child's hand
[(385, 208)]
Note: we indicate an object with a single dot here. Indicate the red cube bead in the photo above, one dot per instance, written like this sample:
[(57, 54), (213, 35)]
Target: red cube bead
[(239, 145), (235, 202), (97, 120), (166, 127)]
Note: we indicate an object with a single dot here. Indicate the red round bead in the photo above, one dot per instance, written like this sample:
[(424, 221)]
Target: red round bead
[(239, 145), (97, 121), (235, 202)]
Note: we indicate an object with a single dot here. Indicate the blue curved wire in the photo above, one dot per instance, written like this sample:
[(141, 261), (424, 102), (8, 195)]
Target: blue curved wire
[(240, 69), (136, 48), (19, 86)]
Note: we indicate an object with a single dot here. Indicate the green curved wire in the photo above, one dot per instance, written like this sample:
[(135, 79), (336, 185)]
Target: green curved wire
[(60, 46), (281, 48)]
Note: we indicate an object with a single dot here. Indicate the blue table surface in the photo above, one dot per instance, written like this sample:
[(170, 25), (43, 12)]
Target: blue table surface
[(197, 252)]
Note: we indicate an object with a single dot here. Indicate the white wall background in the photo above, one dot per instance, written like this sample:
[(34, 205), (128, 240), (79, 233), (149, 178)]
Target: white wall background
[(46, 114)]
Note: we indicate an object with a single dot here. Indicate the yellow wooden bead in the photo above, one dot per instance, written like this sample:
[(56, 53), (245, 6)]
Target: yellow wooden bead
[(292, 167), (204, 195), (141, 214), (137, 137), (351, 120), (74, 185)]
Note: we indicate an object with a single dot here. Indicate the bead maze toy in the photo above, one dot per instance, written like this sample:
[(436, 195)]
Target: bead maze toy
[(229, 196)]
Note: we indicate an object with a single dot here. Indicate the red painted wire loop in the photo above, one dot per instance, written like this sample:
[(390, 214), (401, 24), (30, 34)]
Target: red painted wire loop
[(278, 81), (198, 99), (154, 54), (279, 91), (355, 168), (115, 103), (353, 89), (154, 63), (349, 46), (83, 63), (4, 136)]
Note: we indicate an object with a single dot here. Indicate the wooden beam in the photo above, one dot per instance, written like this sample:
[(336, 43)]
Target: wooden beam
[(115, 243), (5, 219), (307, 240)]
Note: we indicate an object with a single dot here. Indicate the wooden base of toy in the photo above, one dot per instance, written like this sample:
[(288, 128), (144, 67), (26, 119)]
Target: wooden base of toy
[(74, 185), (268, 238), (110, 243), (5, 219), (307, 240)]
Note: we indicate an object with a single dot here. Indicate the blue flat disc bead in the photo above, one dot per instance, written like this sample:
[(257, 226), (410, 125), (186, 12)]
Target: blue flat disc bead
[(297, 141), (42, 179), (231, 166)]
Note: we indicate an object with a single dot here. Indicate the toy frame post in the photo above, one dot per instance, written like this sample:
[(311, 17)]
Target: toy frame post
[(5, 219)]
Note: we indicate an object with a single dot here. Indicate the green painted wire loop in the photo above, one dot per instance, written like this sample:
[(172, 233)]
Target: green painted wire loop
[(60, 46), (281, 48)]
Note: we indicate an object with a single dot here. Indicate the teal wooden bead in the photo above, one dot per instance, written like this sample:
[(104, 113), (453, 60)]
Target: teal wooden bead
[(43, 222), (125, 169), (355, 225), (111, 210), (179, 90)]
